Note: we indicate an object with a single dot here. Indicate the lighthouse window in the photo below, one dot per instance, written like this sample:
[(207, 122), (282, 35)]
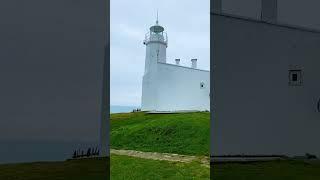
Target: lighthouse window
[(202, 85), (295, 77)]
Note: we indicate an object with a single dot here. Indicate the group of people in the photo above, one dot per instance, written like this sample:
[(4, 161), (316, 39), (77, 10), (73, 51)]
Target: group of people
[(90, 153), (136, 110)]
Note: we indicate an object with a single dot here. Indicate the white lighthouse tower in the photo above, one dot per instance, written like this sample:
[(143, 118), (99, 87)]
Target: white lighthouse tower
[(156, 41)]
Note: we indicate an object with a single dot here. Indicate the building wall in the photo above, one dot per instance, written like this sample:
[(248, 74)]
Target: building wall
[(178, 88), (149, 91), (154, 52), (255, 109), (296, 12)]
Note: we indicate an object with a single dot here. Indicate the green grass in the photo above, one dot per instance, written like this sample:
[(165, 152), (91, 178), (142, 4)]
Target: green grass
[(185, 133), (93, 169), (124, 167), (274, 170)]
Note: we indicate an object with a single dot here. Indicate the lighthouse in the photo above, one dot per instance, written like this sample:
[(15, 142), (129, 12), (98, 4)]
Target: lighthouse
[(156, 42), (171, 87)]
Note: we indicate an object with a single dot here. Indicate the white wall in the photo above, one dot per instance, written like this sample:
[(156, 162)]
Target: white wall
[(178, 88), (256, 111), (152, 56), (149, 91)]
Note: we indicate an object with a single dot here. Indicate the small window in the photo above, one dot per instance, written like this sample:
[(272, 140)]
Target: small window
[(295, 77), (202, 85), (318, 105)]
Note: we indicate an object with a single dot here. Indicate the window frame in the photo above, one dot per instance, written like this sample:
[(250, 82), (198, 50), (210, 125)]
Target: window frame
[(295, 77)]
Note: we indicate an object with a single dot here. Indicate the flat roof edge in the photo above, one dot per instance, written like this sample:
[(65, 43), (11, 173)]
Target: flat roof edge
[(289, 26), (183, 66)]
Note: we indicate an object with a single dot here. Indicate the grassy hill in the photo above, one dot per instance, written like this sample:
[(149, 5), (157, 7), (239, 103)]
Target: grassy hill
[(182, 133), (124, 167), (186, 133), (93, 169)]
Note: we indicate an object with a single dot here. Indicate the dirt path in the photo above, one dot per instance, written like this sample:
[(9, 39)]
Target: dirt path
[(205, 161)]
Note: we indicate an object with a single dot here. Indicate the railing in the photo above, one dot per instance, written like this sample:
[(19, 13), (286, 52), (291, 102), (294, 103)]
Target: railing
[(162, 37)]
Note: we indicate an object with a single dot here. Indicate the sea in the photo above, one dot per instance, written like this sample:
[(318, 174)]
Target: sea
[(122, 109), (18, 151)]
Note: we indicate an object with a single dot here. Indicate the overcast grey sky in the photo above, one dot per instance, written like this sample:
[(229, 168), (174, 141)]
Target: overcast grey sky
[(187, 23)]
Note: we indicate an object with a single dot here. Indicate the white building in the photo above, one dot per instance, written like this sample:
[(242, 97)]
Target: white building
[(266, 85), (171, 87)]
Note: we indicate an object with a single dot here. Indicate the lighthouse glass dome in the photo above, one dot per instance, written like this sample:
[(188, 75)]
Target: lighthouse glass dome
[(156, 34), (157, 29)]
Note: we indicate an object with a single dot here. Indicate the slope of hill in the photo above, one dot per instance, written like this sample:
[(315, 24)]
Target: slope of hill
[(181, 133)]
